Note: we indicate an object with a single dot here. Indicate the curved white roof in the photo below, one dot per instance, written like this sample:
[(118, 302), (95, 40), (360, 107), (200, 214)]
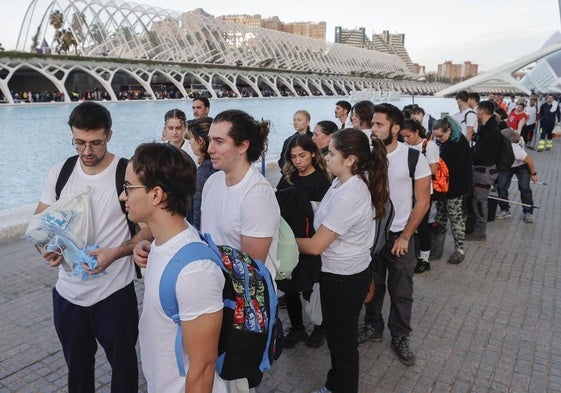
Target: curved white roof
[(128, 30)]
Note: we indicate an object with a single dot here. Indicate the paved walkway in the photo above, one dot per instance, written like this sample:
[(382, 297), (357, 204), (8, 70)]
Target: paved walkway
[(489, 324)]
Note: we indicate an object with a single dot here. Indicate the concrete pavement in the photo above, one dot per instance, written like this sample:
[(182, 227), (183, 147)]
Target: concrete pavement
[(489, 324)]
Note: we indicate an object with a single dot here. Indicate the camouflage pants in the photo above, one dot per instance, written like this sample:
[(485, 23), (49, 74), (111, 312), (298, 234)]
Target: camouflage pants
[(452, 209)]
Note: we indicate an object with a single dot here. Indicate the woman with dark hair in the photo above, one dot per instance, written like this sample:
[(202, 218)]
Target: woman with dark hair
[(345, 229), (198, 137), (415, 136), (306, 171), (455, 151), (322, 135)]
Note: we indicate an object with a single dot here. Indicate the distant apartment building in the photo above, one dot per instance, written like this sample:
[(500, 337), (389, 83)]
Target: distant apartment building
[(305, 29), (457, 72), (385, 42)]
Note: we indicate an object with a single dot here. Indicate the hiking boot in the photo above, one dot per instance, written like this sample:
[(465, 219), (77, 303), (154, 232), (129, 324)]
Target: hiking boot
[(541, 145), (528, 218), (476, 237), (503, 214), (401, 346), (293, 337), (549, 144), (323, 389), (368, 332), (422, 266), (317, 338), (456, 257)]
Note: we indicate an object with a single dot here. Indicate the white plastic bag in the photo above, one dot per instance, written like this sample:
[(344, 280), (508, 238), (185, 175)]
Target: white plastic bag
[(313, 307), (70, 219)]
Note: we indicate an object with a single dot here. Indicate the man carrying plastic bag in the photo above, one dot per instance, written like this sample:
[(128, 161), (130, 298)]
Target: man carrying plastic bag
[(101, 309)]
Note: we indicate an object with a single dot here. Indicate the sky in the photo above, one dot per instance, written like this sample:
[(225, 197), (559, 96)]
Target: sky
[(485, 32)]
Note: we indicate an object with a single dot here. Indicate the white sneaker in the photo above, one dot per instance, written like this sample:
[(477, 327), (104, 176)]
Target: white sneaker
[(528, 218), (503, 214)]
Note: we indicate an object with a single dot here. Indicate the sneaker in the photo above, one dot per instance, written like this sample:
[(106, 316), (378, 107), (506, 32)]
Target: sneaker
[(401, 346), (528, 218), (503, 214), (317, 338), (548, 144), (368, 332), (476, 237), (293, 337), (422, 266), (323, 389), (456, 257)]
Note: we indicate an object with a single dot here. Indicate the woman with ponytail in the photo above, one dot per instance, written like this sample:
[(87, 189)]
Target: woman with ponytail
[(345, 229)]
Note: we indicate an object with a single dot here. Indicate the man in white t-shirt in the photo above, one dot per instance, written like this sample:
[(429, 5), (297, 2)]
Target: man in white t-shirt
[(101, 308), (159, 184), (396, 262), (466, 117), (239, 207)]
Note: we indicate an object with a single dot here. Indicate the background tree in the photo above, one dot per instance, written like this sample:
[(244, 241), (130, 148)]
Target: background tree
[(1, 47), (56, 19)]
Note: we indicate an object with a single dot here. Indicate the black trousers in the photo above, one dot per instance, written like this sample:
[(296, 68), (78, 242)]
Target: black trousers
[(113, 322), (398, 273), (341, 301)]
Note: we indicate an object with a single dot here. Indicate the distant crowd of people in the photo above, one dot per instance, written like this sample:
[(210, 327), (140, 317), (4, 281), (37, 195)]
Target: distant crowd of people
[(379, 187)]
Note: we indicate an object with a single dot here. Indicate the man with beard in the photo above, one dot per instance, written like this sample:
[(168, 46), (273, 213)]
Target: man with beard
[(396, 261), (101, 309)]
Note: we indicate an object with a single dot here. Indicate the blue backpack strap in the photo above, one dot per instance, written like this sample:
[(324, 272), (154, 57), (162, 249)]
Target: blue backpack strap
[(168, 297)]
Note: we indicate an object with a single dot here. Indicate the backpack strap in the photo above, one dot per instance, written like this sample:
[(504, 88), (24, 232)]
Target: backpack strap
[(412, 159), (424, 148), (168, 297), (64, 175), (119, 181)]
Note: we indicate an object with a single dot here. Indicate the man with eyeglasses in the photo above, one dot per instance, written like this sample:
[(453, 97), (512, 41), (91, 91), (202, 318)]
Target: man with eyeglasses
[(102, 309)]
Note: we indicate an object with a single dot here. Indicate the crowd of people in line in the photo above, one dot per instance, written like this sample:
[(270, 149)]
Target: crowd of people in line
[(372, 163)]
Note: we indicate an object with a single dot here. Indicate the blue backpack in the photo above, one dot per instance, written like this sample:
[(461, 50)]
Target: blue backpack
[(251, 332)]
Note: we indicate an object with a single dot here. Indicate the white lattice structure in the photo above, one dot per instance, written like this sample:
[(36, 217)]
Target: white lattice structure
[(128, 30)]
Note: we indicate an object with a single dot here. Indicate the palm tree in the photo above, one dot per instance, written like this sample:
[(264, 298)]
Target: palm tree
[(56, 19)]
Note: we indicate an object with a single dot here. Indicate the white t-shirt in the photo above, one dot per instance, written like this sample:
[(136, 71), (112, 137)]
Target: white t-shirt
[(519, 155), (110, 230), (248, 208), (199, 291), (470, 120), (401, 184), (347, 210), (532, 112)]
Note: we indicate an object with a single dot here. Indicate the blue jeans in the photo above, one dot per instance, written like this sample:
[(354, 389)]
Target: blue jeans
[(503, 184)]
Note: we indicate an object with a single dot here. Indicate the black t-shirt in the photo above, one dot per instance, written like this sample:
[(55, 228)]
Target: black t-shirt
[(314, 185)]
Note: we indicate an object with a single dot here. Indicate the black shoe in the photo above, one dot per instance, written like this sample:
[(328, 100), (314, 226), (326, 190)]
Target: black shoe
[(476, 237), (368, 332), (422, 266), (401, 346), (293, 337), (317, 338)]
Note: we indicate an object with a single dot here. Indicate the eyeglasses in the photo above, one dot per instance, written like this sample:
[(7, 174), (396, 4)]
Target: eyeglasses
[(127, 187), (81, 145)]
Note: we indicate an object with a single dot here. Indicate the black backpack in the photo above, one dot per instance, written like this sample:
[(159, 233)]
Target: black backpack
[(296, 209), (506, 155), (251, 333), (68, 168)]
